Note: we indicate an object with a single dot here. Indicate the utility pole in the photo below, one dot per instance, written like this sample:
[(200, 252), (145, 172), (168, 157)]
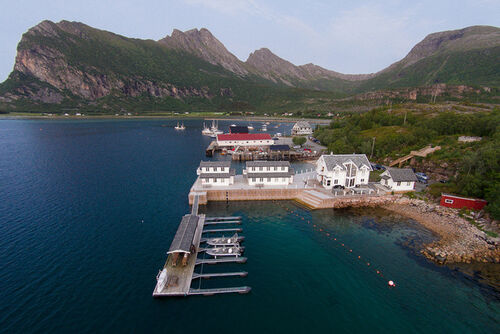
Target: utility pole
[(373, 146)]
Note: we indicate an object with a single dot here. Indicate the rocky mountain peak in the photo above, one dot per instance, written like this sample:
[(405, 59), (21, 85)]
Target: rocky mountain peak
[(454, 40), (203, 44)]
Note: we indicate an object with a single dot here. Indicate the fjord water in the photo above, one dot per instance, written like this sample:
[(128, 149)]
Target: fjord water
[(89, 208)]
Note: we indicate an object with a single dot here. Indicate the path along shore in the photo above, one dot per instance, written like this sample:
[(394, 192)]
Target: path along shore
[(460, 241)]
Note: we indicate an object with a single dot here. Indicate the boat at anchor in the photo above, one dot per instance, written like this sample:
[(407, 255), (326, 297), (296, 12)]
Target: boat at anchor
[(224, 251), (225, 241)]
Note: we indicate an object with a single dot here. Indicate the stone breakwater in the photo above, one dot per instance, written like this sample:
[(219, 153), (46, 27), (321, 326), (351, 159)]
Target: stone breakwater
[(460, 241)]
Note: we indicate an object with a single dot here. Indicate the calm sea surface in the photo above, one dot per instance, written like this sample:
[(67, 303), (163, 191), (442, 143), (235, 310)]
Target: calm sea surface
[(89, 208)]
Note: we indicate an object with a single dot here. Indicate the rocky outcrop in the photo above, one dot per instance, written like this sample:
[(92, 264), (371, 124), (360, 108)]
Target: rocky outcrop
[(460, 241), (203, 44)]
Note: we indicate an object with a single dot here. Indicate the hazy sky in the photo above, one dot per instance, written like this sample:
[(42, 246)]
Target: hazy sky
[(352, 36)]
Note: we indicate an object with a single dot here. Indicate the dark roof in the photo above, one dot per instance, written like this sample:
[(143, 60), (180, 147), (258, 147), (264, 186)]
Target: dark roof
[(263, 163), (332, 160), (238, 129), (225, 163), (402, 174), (279, 148), (232, 172), (184, 236)]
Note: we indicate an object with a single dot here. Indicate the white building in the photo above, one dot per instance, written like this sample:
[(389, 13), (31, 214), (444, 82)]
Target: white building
[(343, 170), (302, 128), (244, 139), (216, 173), (399, 179), (263, 173)]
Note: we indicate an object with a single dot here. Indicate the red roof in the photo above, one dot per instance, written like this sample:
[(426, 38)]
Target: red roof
[(244, 136)]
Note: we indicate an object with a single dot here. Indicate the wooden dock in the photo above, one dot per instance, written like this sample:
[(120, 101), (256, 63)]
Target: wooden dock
[(175, 279), (236, 222)]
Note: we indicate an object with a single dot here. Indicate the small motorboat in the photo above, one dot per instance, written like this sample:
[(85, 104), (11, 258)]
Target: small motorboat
[(225, 241), (224, 251), (180, 127)]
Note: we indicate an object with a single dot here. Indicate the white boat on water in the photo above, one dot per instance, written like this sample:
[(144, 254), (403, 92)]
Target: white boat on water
[(224, 241), (180, 127), (213, 131), (250, 127), (161, 279), (206, 130), (224, 251)]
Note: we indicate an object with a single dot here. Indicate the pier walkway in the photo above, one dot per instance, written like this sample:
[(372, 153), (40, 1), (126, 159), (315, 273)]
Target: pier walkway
[(178, 272)]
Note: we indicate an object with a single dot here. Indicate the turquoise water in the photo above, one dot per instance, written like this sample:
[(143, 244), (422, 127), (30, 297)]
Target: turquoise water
[(89, 208)]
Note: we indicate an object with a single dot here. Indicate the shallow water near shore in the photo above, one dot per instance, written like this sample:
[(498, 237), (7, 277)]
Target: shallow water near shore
[(88, 209)]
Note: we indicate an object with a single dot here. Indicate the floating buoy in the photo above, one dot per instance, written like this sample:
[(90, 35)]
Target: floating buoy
[(328, 234), (391, 284), (367, 263)]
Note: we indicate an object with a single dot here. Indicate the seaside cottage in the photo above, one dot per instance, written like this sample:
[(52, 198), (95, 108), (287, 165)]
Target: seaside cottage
[(301, 128), (263, 173), (216, 173), (399, 179), (343, 170), (244, 139)]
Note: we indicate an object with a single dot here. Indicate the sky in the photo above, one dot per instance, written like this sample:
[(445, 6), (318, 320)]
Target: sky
[(352, 36)]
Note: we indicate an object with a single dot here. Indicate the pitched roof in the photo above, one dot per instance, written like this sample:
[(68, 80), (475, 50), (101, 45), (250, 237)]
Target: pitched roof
[(302, 124), (244, 136), (332, 160), (184, 236), (263, 163), (402, 174), (224, 163)]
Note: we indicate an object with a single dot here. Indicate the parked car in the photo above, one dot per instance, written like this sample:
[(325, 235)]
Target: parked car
[(338, 186), (297, 147), (422, 177)]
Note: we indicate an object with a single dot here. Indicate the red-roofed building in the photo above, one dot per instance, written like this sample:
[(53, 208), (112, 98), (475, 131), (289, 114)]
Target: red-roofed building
[(458, 202), (244, 139)]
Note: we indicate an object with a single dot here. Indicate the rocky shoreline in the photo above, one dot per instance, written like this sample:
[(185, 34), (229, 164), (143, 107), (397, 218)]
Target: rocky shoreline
[(459, 240)]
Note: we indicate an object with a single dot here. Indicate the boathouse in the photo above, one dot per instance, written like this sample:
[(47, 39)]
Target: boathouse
[(263, 173), (399, 179), (182, 245), (216, 173), (301, 128), (458, 202), (244, 139), (343, 170)]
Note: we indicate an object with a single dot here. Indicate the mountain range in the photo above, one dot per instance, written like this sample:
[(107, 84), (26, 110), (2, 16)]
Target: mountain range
[(71, 65)]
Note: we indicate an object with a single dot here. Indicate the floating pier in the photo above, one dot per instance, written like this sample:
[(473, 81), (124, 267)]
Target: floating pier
[(178, 272), (211, 292), (237, 222), (223, 230), (238, 273), (233, 259)]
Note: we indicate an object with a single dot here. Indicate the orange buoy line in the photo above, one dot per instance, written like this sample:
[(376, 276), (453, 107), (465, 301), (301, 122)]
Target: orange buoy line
[(391, 283)]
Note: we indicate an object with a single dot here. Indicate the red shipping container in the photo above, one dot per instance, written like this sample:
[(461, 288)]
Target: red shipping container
[(457, 202)]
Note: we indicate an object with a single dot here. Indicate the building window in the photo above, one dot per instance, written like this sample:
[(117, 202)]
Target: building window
[(215, 180), (335, 181), (449, 201), (261, 180), (328, 183), (282, 167), (268, 168), (268, 179), (362, 180), (261, 168), (253, 179), (398, 184), (408, 183)]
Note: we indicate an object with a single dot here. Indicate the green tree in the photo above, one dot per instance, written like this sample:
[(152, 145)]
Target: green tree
[(299, 140)]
